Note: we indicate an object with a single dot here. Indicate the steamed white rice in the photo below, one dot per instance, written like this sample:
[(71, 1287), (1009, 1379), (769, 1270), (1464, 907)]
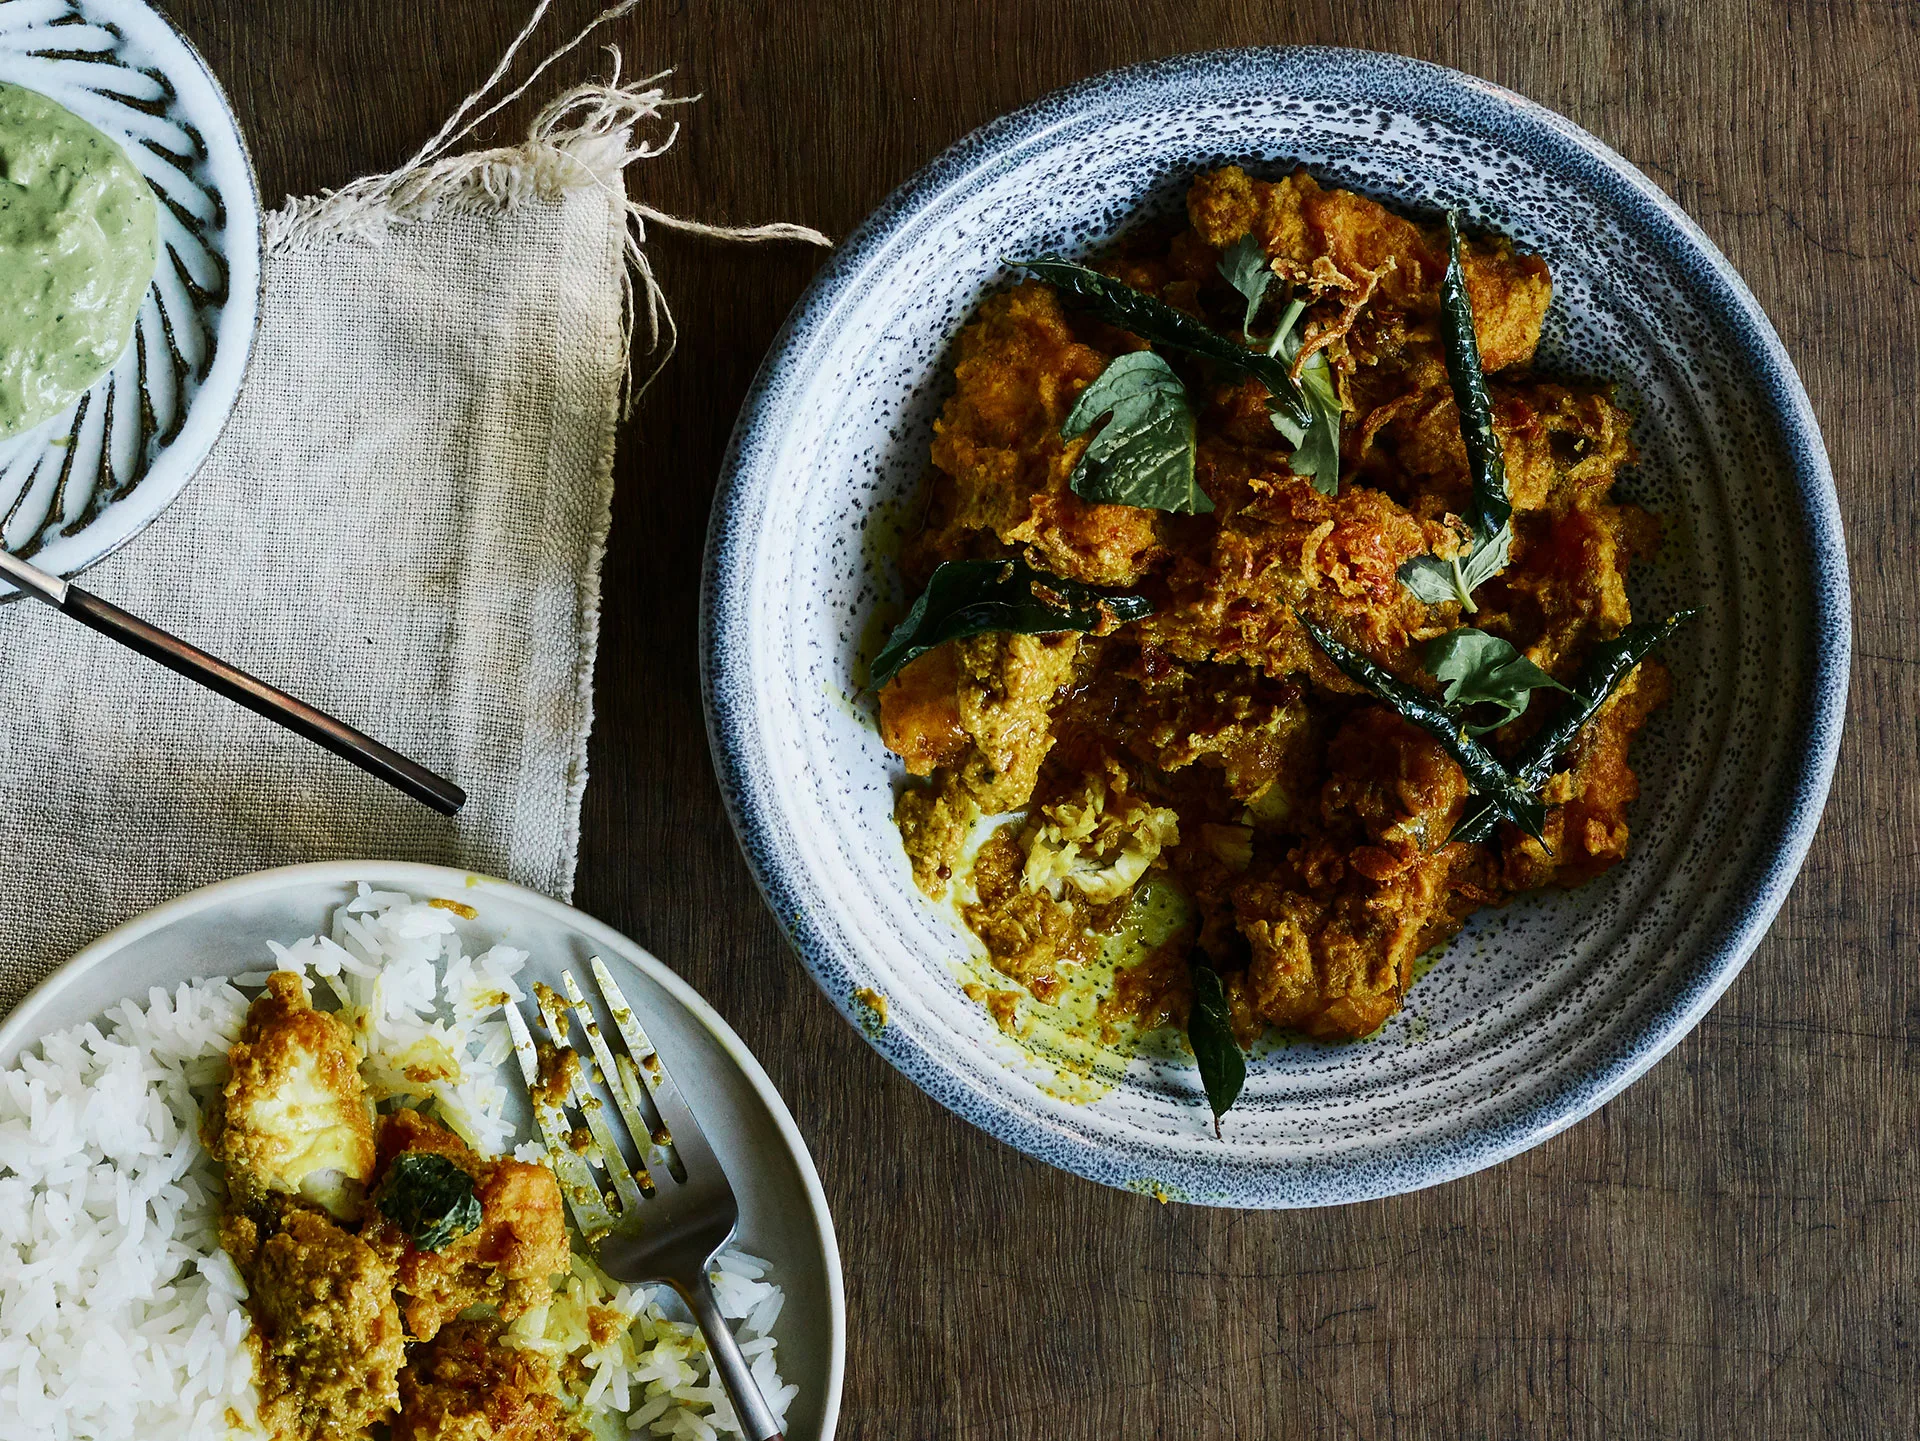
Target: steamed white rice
[(121, 1317)]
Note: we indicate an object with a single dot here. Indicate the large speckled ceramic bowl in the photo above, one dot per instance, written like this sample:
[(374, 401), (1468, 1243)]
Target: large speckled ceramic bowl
[(84, 482), (1536, 1014)]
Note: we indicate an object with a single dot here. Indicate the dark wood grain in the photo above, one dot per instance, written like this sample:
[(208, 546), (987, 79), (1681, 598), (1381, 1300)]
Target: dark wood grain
[(1732, 1247)]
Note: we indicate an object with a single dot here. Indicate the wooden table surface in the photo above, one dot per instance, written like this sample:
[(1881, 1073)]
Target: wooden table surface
[(1729, 1248)]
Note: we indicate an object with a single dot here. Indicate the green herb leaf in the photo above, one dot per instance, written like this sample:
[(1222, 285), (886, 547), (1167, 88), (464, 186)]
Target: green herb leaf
[(1482, 669), (1489, 558), (1158, 323), (1316, 439), (1316, 449), (1487, 777), (1609, 664), (1437, 581), (429, 1198), (1489, 537), (1223, 1065), (1247, 270), (973, 597), (1143, 455)]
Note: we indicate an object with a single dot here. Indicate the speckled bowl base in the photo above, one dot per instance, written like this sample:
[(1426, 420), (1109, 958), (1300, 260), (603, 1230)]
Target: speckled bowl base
[(1537, 1013)]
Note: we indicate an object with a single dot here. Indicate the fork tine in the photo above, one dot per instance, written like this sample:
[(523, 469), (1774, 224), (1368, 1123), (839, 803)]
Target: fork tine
[(637, 1126), (657, 1150), (689, 1142), (650, 1067), (606, 1147), (577, 1182), (641, 1076)]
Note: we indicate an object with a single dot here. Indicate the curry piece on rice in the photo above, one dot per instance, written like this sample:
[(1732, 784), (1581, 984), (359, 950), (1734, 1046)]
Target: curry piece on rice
[(1213, 744), (330, 1276), (293, 1118), (468, 1385), (328, 1332), (507, 1260)]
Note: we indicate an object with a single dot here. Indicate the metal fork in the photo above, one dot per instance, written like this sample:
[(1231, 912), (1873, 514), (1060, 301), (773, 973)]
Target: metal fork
[(649, 1230)]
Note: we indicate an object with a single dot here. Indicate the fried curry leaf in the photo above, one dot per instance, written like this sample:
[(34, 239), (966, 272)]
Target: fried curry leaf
[(1485, 775), (1158, 323), (974, 597), (1489, 536), (1482, 669), (1143, 455), (1316, 442), (1223, 1065), (1486, 461), (1610, 664), (429, 1198)]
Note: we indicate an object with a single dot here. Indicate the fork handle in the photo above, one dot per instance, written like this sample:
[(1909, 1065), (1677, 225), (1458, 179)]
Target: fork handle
[(748, 1404)]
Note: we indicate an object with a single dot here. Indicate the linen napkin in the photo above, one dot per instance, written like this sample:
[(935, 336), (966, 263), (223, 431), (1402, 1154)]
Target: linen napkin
[(403, 525)]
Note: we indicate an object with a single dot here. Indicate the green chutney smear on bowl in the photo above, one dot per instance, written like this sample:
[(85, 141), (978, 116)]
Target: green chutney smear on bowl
[(79, 240)]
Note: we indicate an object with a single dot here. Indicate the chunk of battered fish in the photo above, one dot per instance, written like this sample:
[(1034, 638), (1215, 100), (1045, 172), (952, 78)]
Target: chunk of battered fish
[(1335, 930), (995, 694), (466, 1385), (293, 1117), (1304, 228), (508, 1260), (328, 1332), (998, 439)]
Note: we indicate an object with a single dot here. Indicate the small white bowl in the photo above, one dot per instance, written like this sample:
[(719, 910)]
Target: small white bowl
[(83, 483)]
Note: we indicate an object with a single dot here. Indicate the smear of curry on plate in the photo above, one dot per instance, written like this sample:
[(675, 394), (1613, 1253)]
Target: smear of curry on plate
[(1268, 623)]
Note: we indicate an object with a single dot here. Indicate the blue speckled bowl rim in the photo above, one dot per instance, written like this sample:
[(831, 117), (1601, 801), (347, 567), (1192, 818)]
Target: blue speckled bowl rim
[(1472, 102)]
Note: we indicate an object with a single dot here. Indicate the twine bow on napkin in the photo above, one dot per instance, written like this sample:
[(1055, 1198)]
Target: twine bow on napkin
[(403, 524)]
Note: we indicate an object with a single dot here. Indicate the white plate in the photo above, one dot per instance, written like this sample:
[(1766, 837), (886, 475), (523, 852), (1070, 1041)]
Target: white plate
[(83, 483), (224, 930)]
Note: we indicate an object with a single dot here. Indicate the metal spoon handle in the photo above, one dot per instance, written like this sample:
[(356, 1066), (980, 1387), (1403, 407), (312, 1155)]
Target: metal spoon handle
[(237, 686)]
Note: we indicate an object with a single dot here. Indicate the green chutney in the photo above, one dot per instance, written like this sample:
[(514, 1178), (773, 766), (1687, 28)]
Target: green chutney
[(79, 240)]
